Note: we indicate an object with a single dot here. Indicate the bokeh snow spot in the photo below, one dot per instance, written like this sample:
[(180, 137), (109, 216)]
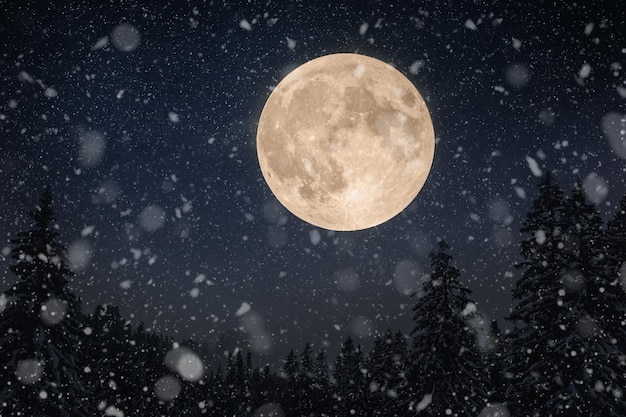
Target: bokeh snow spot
[(495, 410), (502, 236), (100, 43), (614, 128), (107, 193), (277, 236), (540, 237), (125, 37), (470, 308), (269, 410), (152, 218), (53, 311), (517, 75), (173, 117), (596, 188), (29, 371), (245, 25), (406, 276), (185, 362), (243, 309), (113, 411), (547, 116), (167, 388), (79, 254), (91, 146), (347, 280), (424, 402), (573, 280), (361, 327), (315, 236), (469, 24), (499, 212), (534, 166), (274, 213), (586, 327), (363, 28), (3, 302), (416, 66), (254, 325)]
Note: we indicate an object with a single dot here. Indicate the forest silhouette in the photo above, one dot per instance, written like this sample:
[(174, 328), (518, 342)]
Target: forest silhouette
[(565, 355)]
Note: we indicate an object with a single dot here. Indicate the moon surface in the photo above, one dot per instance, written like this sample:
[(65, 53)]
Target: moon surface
[(345, 142)]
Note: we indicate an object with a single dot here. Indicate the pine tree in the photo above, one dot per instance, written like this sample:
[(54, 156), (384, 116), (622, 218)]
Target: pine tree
[(615, 271), (350, 383), (290, 385), (321, 395), (236, 383), (111, 378), (495, 363), (616, 237), (563, 359), (385, 374), (305, 381), (40, 328), (445, 375)]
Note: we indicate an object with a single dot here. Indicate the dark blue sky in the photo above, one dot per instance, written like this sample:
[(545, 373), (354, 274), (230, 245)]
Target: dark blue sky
[(142, 117)]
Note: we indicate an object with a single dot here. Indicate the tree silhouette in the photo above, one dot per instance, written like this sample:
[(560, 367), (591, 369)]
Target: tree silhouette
[(445, 372), (40, 349), (350, 387), (385, 366), (562, 355), (615, 272)]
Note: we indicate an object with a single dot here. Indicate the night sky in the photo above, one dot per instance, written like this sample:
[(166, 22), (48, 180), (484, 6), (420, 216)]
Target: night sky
[(142, 118)]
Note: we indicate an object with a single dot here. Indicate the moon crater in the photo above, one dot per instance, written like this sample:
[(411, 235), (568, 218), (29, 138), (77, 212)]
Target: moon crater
[(345, 142)]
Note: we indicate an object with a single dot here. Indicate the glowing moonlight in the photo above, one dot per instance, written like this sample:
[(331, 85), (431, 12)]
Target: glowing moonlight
[(345, 142)]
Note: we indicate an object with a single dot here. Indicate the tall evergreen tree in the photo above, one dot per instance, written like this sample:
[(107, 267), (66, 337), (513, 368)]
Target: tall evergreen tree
[(321, 386), (385, 374), (563, 358), (40, 328), (305, 381), (616, 234), (495, 363), (615, 271), (445, 375), (289, 397), (236, 382), (350, 383), (539, 283), (112, 378)]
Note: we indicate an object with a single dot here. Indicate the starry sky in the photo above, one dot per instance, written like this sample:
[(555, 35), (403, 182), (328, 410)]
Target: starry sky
[(142, 118)]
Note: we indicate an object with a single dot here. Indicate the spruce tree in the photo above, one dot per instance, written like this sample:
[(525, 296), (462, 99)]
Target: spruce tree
[(112, 378), (615, 271), (445, 375), (350, 383), (305, 381), (385, 374), (616, 240), (290, 384), (321, 396), (494, 363), (40, 330), (563, 359)]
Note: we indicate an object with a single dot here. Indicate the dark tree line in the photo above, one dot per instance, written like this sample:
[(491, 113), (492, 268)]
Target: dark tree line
[(566, 355)]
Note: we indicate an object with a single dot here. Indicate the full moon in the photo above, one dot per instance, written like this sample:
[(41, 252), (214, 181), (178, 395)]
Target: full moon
[(345, 142)]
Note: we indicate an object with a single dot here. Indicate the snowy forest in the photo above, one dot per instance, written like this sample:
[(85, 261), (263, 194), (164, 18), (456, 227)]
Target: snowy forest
[(565, 355)]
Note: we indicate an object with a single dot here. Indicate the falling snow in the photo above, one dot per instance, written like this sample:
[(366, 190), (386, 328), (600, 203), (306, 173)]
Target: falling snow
[(142, 121)]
